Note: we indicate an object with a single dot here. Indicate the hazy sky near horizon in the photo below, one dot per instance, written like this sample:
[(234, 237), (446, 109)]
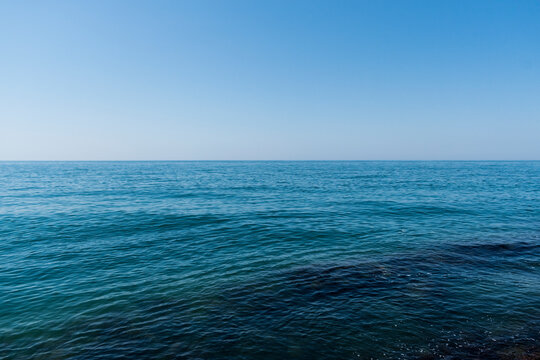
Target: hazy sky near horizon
[(113, 80)]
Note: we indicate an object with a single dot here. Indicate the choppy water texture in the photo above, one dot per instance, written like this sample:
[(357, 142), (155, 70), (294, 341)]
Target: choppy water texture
[(270, 260)]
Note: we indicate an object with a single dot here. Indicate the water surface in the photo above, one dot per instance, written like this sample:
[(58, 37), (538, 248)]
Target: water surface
[(269, 260)]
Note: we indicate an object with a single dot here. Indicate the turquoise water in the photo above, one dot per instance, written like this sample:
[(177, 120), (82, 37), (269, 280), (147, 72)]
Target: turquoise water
[(270, 260)]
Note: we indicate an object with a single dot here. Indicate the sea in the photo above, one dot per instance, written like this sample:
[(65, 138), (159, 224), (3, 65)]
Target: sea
[(270, 260)]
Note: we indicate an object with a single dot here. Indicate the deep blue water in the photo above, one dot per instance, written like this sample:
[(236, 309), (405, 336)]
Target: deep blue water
[(270, 260)]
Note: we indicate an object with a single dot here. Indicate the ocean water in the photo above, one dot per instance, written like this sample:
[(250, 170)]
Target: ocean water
[(270, 260)]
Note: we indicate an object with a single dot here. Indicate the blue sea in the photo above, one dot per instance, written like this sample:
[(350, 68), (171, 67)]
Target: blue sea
[(270, 260)]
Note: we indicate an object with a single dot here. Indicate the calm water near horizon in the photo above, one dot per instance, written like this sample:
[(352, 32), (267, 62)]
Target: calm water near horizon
[(270, 260)]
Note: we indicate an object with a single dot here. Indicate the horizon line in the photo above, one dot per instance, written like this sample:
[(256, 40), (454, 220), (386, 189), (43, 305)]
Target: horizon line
[(278, 160)]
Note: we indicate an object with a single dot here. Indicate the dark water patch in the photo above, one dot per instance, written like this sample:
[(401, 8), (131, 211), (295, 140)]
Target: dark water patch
[(522, 345), (407, 210), (500, 248)]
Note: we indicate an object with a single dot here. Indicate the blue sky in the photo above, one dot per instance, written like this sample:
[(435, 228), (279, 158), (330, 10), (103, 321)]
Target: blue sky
[(175, 80)]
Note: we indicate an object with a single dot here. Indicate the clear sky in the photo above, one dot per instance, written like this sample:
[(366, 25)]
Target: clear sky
[(175, 80)]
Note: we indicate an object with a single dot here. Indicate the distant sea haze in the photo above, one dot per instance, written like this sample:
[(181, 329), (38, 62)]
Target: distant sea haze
[(270, 260)]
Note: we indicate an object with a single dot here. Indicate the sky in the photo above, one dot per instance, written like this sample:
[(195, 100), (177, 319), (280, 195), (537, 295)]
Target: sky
[(270, 80)]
